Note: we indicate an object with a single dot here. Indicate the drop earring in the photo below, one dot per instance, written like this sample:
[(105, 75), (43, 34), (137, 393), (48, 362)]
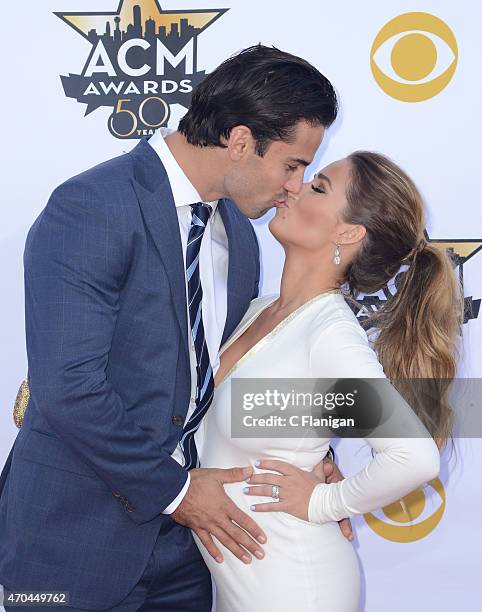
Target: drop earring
[(336, 258)]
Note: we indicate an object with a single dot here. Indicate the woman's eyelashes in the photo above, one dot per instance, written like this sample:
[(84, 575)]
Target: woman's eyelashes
[(318, 189)]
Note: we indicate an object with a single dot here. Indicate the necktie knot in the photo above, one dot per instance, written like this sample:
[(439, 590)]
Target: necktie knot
[(200, 213)]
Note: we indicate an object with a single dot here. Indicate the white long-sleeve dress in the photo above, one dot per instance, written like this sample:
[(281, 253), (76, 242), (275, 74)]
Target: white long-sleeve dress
[(308, 566)]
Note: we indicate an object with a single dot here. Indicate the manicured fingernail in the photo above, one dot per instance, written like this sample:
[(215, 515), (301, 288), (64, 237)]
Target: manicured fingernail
[(246, 559), (259, 554), (262, 539), (219, 559), (253, 508), (246, 490), (257, 463)]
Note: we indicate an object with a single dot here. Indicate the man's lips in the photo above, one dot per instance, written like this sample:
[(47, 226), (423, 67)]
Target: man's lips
[(281, 204)]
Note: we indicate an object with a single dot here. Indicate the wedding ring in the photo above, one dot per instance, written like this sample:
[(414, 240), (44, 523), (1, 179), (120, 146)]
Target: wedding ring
[(275, 492)]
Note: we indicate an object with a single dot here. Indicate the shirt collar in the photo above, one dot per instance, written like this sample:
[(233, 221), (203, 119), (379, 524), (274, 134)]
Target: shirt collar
[(183, 191)]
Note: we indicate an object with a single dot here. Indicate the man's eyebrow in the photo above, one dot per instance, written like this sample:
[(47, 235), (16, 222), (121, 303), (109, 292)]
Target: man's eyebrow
[(298, 160), (323, 177)]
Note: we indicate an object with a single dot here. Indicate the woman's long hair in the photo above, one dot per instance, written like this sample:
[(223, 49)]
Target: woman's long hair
[(418, 331)]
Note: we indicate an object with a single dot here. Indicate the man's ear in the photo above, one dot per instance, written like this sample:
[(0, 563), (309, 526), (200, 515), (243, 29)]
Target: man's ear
[(351, 234), (239, 143)]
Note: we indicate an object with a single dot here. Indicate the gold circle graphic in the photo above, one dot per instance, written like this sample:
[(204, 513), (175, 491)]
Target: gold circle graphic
[(414, 56), (412, 507)]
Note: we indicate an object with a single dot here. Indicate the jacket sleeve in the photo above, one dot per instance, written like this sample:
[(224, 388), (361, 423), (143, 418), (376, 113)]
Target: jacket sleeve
[(75, 260), (400, 464)]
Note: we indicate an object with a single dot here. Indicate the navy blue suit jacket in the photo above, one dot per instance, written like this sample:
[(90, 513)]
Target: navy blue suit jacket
[(108, 367)]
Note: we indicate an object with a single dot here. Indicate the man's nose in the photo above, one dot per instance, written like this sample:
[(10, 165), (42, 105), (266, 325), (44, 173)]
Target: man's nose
[(294, 184)]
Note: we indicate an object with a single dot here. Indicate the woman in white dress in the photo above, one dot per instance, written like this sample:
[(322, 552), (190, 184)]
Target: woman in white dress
[(353, 226)]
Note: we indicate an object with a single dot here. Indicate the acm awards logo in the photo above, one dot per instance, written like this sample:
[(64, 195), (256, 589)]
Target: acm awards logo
[(414, 57), (460, 251), (141, 61)]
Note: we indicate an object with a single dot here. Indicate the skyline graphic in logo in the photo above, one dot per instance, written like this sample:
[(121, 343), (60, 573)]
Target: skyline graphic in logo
[(142, 60), (460, 251)]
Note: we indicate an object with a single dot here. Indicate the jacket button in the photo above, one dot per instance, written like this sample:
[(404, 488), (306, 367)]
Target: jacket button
[(178, 420)]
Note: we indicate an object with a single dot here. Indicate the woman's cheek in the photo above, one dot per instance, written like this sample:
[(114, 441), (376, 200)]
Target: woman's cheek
[(318, 225), (308, 231), (311, 217)]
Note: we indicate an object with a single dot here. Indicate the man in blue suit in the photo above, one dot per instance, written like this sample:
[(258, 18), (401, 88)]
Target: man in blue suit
[(103, 478)]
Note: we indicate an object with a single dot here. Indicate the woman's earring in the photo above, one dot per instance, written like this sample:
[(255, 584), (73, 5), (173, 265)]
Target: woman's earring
[(336, 258)]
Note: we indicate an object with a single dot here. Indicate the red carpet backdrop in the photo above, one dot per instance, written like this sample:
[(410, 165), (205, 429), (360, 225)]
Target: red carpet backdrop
[(408, 77)]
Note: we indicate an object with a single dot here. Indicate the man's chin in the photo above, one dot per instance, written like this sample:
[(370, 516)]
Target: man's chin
[(259, 212), (254, 212)]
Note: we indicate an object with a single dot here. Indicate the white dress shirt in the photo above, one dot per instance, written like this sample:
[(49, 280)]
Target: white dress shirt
[(213, 270)]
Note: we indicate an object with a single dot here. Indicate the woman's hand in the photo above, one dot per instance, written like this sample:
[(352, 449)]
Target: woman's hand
[(295, 487)]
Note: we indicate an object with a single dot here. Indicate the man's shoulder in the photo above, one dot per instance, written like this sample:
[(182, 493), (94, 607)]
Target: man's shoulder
[(103, 187), (103, 176)]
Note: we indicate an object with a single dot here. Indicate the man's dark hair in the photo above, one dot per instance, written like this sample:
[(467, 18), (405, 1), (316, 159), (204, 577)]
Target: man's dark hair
[(265, 89)]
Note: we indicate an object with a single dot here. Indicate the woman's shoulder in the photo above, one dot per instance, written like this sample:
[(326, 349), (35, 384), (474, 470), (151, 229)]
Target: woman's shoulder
[(336, 312), (339, 345)]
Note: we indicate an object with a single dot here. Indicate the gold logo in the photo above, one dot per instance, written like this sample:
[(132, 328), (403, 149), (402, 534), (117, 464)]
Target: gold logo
[(142, 61), (414, 57), (405, 512)]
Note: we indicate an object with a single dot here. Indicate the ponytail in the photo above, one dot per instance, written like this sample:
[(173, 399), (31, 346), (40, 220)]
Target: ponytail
[(419, 329), (419, 337)]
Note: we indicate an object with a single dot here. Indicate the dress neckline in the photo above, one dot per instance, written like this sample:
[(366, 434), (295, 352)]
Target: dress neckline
[(276, 329)]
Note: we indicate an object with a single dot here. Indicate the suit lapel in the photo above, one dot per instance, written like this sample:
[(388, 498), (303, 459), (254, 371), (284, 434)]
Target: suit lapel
[(157, 204), (158, 209), (242, 265)]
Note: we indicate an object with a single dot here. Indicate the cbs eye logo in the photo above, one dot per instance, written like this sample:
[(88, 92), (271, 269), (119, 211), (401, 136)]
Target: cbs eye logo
[(414, 57), (413, 517)]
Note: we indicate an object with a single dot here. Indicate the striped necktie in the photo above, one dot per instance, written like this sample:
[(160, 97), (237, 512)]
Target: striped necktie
[(205, 382)]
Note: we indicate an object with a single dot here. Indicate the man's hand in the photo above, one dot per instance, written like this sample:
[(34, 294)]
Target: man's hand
[(208, 511), (329, 472)]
